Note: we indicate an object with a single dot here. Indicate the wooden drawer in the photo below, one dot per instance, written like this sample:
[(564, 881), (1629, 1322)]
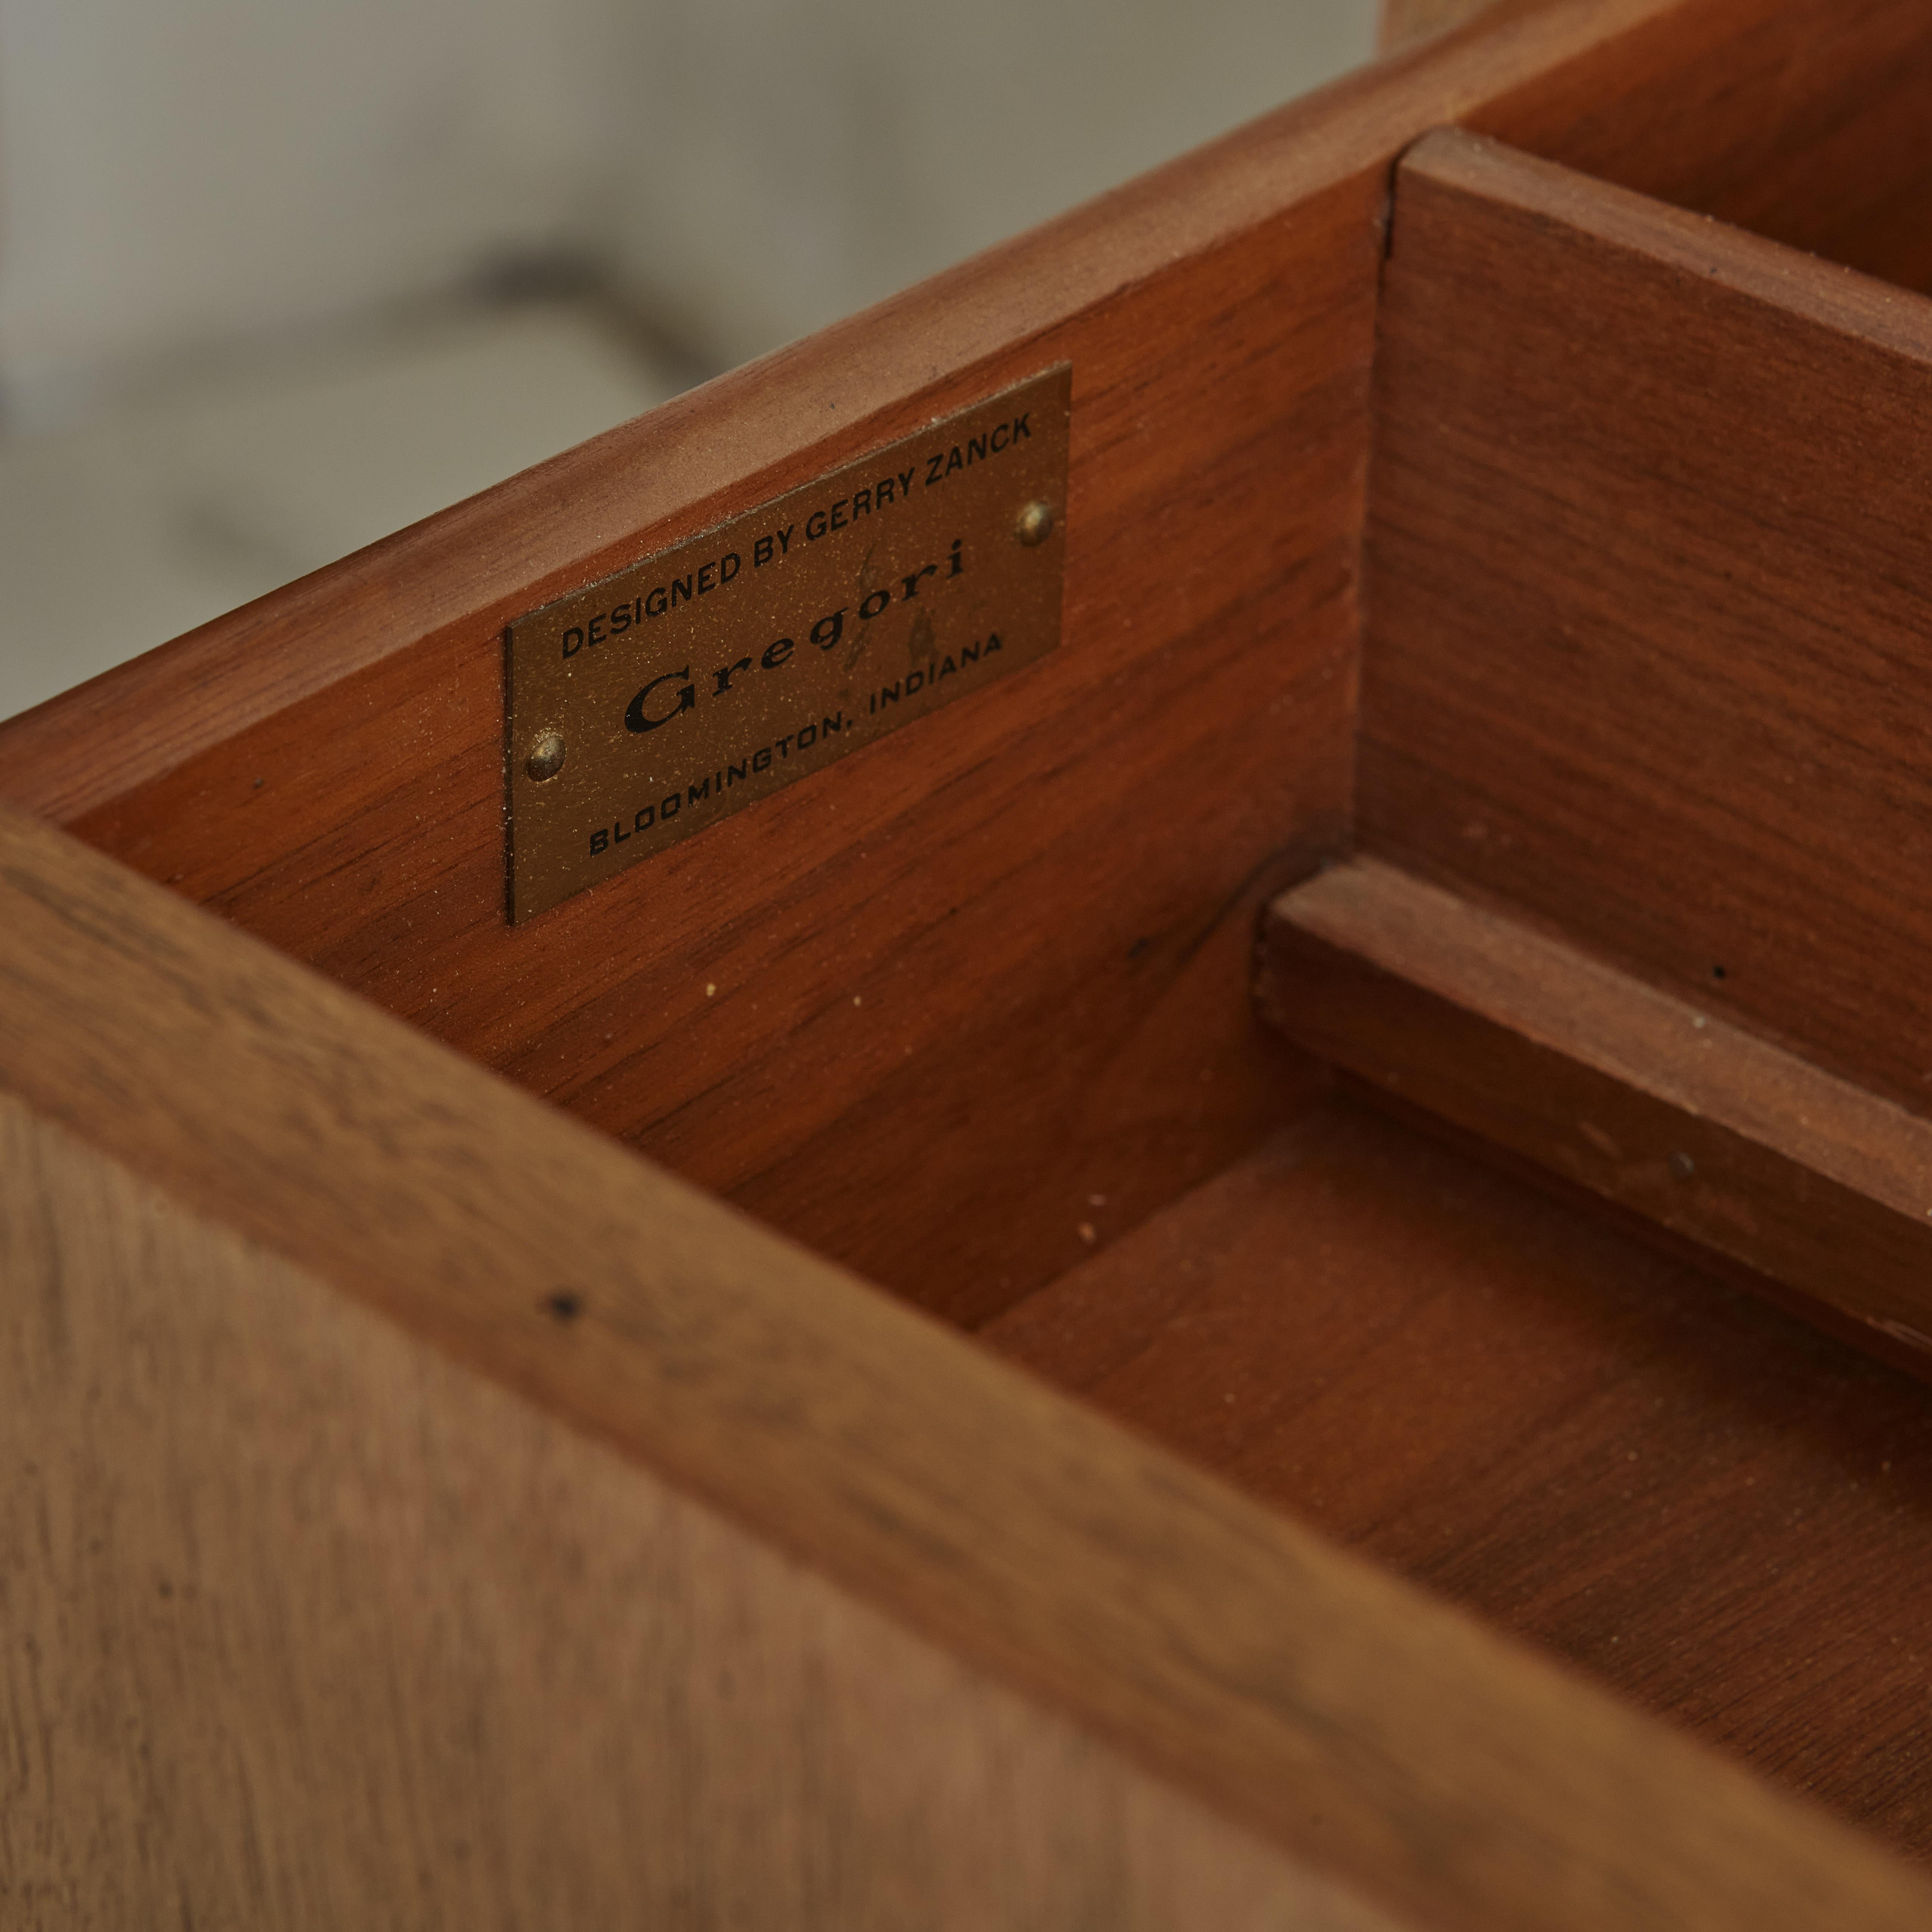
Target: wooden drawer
[(1414, 1422)]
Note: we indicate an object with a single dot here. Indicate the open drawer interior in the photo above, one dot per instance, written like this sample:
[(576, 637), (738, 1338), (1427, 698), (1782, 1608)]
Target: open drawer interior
[(1393, 1005), (1510, 1398), (1636, 919)]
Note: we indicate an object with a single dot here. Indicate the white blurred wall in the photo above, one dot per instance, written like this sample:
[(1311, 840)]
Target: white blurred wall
[(180, 175), (789, 160), (177, 174)]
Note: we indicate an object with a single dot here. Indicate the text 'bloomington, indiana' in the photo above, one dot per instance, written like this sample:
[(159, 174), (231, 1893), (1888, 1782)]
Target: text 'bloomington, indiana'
[(672, 693), (872, 499), (715, 785)]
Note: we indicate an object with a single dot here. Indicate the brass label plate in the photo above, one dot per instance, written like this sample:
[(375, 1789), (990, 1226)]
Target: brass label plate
[(651, 706)]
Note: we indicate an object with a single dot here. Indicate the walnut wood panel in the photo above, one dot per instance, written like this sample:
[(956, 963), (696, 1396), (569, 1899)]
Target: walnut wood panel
[(1628, 1092), (1802, 121), (985, 966), (307, 1626), (1382, 1741), (1698, 1499), (1646, 654)]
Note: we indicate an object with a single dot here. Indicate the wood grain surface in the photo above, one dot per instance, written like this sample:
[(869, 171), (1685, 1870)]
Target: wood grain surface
[(1701, 1501), (1646, 652), (1630, 1093), (307, 1627), (1802, 120), (995, 951), (1381, 1740)]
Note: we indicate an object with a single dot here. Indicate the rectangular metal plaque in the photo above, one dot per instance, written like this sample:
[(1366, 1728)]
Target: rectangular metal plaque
[(703, 678)]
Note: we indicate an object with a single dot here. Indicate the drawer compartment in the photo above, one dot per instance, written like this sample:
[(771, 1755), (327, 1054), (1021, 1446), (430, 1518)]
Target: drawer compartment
[(860, 1371)]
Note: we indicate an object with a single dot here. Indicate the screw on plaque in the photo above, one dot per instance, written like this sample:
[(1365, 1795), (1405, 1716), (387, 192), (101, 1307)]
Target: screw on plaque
[(1035, 523), (546, 757)]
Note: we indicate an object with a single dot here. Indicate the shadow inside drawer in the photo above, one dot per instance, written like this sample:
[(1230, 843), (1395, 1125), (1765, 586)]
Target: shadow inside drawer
[(1720, 1511)]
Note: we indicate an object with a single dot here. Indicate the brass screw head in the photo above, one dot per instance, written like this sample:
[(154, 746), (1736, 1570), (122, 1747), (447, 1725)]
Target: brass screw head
[(546, 757), (1035, 523)]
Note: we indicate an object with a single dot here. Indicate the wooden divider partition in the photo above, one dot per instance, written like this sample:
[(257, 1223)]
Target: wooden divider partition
[(1645, 673), (428, 1511), (1663, 484)]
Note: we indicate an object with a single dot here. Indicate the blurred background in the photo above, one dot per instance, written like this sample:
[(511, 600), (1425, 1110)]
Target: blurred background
[(277, 277)]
